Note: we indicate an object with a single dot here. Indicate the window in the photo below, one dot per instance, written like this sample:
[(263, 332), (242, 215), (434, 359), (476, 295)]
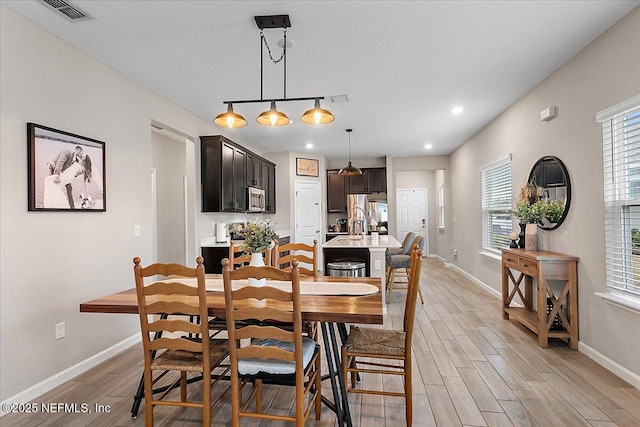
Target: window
[(621, 156), (497, 223), (441, 206)]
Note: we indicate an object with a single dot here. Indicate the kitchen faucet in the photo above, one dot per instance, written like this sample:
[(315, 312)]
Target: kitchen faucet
[(353, 218)]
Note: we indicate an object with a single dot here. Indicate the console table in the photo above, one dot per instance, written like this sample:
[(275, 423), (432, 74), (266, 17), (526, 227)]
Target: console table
[(543, 266)]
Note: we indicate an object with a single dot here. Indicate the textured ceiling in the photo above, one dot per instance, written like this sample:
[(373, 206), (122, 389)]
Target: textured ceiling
[(403, 65)]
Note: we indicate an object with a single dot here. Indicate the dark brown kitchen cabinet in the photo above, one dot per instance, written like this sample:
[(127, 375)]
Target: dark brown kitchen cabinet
[(269, 186), (358, 183), (239, 179), (336, 191), (376, 180), (372, 180), (227, 169), (254, 171)]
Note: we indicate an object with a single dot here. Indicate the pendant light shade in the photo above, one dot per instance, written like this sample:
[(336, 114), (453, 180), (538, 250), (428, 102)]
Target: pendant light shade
[(273, 117), (350, 170), (230, 119), (317, 115)]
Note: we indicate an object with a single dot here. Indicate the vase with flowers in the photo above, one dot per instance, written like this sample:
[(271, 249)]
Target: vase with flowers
[(258, 236), (530, 208)]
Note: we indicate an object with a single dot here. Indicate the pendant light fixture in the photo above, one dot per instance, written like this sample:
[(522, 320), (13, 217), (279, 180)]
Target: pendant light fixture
[(317, 115), (273, 117), (350, 170), (230, 119)]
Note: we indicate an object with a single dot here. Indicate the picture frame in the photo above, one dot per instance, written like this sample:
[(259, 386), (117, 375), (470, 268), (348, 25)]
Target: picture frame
[(66, 172), (307, 167)]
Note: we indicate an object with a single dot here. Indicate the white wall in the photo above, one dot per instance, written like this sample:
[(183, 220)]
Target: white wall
[(168, 158), (440, 238), (50, 262), (603, 74), (285, 186)]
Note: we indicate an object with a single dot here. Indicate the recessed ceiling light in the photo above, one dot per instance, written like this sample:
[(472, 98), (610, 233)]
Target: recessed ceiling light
[(309, 145), (428, 146), (456, 110)]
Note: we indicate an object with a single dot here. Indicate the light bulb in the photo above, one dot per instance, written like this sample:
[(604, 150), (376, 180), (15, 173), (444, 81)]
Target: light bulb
[(317, 116), (230, 121), (273, 119)]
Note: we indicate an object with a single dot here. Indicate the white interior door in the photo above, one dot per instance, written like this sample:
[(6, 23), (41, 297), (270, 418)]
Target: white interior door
[(308, 213), (412, 214)]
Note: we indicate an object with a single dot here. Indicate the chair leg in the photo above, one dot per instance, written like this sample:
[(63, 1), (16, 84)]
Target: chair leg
[(258, 386), (206, 399), (148, 397), (420, 294), (408, 396), (392, 276), (318, 386), (183, 386)]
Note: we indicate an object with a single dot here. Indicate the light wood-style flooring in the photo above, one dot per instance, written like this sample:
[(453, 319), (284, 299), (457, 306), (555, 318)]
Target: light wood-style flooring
[(471, 368)]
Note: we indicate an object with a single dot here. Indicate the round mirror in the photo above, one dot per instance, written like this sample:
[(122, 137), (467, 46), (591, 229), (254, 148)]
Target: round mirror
[(550, 174)]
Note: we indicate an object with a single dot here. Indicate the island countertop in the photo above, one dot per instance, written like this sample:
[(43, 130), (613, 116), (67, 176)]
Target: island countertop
[(344, 241)]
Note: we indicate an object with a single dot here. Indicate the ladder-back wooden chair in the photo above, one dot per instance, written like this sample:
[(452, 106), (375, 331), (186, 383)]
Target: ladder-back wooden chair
[(181, 342), (402, 261), (377, 351), (274, 354), (304, 253)]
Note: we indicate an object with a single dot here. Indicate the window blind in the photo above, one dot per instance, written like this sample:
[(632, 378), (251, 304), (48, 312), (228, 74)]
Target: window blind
[(497, 221), (621, 161)]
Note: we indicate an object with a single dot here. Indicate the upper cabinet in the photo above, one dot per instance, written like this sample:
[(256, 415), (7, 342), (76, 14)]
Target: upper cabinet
[(227, 169), (372, 180), (269, 186), (336, 191), (376, 180)]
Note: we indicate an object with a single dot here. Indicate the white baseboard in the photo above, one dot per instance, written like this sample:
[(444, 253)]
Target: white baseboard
[(52, 382), (479, 282), (624, 373)]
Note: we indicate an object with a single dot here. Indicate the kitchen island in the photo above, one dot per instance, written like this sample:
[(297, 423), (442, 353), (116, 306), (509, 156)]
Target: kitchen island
[(367, 249)]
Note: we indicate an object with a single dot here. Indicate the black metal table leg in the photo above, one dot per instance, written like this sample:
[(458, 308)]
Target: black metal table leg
[(340, 404), (335, 406), (341, 379)]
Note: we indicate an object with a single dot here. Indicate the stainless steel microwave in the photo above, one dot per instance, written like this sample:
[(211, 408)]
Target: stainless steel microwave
[(255, 199)]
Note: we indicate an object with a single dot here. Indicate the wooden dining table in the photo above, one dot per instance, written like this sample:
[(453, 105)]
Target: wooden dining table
[(332, 311)]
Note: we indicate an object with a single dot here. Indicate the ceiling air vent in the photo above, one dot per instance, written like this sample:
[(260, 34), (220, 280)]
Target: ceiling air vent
[(66, 9)]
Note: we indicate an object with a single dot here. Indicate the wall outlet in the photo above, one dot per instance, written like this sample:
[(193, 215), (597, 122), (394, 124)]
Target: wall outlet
[(136, 230), (60, 330), (455, 252), (378, 264)]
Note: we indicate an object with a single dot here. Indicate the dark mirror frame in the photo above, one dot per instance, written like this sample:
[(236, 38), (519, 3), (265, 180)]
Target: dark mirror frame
[(550, 172)]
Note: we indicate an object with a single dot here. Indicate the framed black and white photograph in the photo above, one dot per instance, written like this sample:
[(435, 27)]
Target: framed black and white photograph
[(66, 171)]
